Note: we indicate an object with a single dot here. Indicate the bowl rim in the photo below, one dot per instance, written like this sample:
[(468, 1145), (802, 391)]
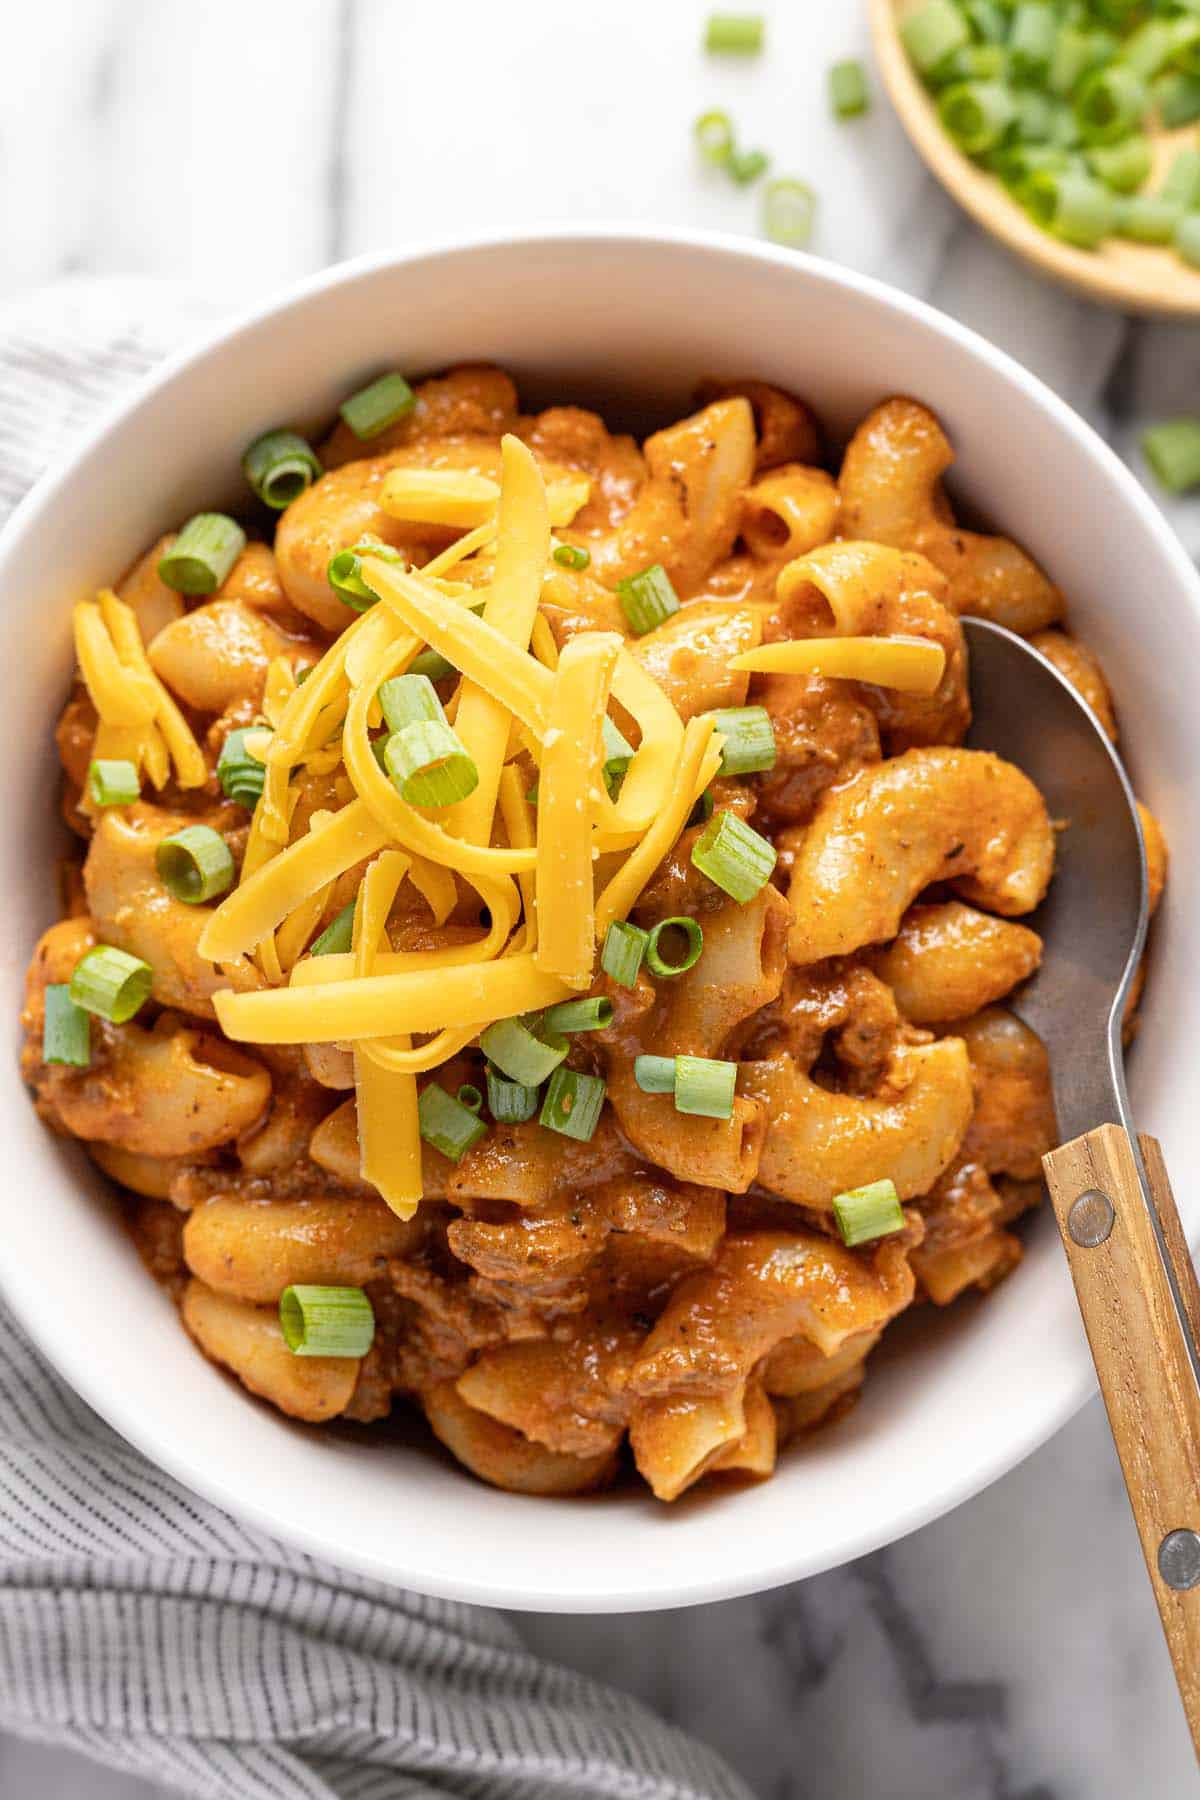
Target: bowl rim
[(87, 1378)]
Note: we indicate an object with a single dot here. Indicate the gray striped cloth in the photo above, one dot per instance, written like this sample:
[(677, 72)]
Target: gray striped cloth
[(150, 1630)]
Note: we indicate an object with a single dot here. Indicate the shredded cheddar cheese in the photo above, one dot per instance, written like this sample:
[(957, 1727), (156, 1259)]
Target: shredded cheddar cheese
[(912, 665)]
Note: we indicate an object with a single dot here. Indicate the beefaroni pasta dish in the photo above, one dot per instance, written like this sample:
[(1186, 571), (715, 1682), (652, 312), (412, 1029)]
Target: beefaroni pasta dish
[(538, 947)]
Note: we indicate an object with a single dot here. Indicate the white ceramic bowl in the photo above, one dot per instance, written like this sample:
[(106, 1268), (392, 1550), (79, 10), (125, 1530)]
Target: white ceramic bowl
[(628, 322)]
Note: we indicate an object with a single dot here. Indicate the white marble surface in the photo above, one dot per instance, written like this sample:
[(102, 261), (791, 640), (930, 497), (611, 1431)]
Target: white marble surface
[(1010, 1652)]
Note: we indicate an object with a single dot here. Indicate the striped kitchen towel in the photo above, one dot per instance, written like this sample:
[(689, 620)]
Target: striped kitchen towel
[(148, 1629)]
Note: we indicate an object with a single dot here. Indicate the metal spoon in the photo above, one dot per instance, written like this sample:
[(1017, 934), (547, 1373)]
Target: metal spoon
[(1129, 1260)]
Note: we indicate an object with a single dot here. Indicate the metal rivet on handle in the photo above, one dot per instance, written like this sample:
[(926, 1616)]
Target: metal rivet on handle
[(1179, 1559), (1090, 1220)]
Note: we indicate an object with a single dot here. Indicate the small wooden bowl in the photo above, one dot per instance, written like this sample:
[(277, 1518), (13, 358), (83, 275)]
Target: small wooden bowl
[(1137, 277)]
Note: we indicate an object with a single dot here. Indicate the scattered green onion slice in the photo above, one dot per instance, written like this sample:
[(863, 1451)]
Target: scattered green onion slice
[(705, 1086), (1124, 166), (1031, 40), (714, 136), (113, 783), (1076, 51), (345, 575), (1152, 46), (326, 1321), (195, 864), (409, 699), (934, 33), (655, 1074), (279, 466), (571, 556), (658, 964), (593, 1014), (111, 983), (618, 754), (647, 599), (446, 1123), (203, 554), (989, 20), (572, 1104), (848, 91), (377, 406), (746, 166), (623, 952), (1177, 97), (866, 1213), (338, 936), (66, 1030), (510, 1102), (470, 1097), (749, 739), (240, 774), (431, 663), (1035, 116), (734, 856), (1147, 218), (976, 114), (1182, 182), (737, 34), (1072, 206), (429, 765), (519, 1051), (1110, 104), (978, 62), (1173, 451), (789, 208)]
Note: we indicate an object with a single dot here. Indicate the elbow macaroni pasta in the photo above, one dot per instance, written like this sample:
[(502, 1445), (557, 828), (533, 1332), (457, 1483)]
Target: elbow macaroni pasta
[(674, 1287)]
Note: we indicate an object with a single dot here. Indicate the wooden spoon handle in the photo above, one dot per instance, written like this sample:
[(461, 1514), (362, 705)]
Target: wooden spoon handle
[(1139, 1298)]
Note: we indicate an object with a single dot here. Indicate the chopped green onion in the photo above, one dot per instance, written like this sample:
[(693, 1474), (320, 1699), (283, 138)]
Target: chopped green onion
[(432, 664), (202, 555), (1035, 116), (848, 91), (1110, 104), (408, 700), (510, 1102), (338, 936), (470, 1097), (702, 812), (705, 1086), (1177, 97), (1182, 183), (647, 599), (1124, 166), (714, 136), (933, 33), (734, 856), (1072, 206), (624, 948), (66, 1030), (1147, 218), (978, 62), (738, 34), (866, 1213), (1013, 163), (195, 864), (655, 1074), (446, 1124), (976, 114), (113, 783), (1031, 40), (279, 466), (749, 739), (326, 1321), (1187, 238), (429, 765), (746, 166), (111, 983), (1151, 46), (374, 408), (345, 575), (593, 1014), (789, 209), (989, 20), (518, 1051), (618, 754), (240, 774), (572, 1104), (1076, 52), (658, 964), (571, 556)]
